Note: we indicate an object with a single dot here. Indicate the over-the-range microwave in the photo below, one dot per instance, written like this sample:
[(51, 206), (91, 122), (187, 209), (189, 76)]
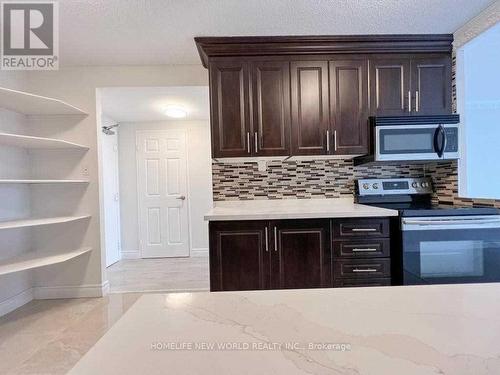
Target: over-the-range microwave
[(413, 138)]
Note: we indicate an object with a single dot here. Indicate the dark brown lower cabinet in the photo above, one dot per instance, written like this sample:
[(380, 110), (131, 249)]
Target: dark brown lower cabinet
[(301, 254), (247, 255), (298, 254), (361, 252), (238, 256)]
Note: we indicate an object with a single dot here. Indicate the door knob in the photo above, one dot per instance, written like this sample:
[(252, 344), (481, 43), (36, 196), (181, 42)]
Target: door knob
[(182, 197)]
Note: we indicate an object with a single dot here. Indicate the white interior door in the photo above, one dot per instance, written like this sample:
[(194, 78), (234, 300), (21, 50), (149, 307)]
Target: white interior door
[(162, 193)]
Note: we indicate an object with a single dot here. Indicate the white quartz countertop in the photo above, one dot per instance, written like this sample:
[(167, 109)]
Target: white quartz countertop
[(410, 330), (293, 209)]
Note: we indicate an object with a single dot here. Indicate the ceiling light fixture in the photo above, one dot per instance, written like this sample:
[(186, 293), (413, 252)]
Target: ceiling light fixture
[(175, 111)]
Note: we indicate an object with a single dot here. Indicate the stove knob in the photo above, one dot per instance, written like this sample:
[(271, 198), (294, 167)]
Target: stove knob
[(366, 186), (375, 186), (414, 185)]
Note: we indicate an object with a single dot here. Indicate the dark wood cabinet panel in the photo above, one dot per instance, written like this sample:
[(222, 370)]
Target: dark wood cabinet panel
[(431, 84), (270, 107), (362, 248), (238, 256), (361, 268), (390, 91), (349, 106), (229, 108), (304, 258), (310, 107), (360, 228)]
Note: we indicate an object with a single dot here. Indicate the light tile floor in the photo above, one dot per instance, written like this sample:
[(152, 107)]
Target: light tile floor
[(50, 336), (159, 275)]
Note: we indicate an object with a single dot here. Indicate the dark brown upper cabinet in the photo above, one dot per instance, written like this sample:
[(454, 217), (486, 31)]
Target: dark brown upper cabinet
[(270, 107), (239, 252), (312, 95), (390, 90), (410, 85), (301, 254), (431, 85), (349, 106), (310, 109), (230, 121)]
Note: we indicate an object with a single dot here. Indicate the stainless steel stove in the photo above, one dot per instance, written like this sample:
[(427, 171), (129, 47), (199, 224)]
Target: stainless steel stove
[(435, 244)]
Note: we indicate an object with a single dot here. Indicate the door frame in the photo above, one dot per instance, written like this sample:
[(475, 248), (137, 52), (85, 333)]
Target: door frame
[(188, 187)]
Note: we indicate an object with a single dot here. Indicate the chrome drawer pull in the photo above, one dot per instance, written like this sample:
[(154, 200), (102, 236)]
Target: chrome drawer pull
[(267, 240), (363, 250), (364, 229), (364, 270)]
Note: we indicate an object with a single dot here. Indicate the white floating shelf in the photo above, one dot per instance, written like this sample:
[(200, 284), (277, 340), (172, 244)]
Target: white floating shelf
[(26, 141), (4, 181), (24, 223), (32, 104), (34, 259)]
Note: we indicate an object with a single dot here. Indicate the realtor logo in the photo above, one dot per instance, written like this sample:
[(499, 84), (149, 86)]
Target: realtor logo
[(30, 38)]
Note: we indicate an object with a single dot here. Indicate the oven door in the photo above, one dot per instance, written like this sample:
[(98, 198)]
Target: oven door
[(416, 142), (448, 250)]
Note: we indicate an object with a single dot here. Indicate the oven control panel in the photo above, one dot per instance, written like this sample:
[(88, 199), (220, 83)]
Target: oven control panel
[(394, 186)]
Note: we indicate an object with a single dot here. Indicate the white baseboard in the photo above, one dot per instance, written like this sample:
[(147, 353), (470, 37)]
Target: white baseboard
[(200, 252), (131, 255), (14, 302), (80, 291)]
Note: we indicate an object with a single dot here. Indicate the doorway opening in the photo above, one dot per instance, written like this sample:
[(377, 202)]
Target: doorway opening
[(156, 186)]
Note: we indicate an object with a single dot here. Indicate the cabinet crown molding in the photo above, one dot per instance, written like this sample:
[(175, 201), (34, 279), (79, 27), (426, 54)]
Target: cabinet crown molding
[(236, 46)]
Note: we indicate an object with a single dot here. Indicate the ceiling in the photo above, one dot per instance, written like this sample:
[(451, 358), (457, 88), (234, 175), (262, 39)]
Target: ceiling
[(138, 32), (137, 104)]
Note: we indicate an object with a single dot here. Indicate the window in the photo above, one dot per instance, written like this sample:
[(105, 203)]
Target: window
[(478, 101)]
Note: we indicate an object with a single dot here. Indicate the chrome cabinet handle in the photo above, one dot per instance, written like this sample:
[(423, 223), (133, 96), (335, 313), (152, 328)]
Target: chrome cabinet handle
[(327, 141), (248, 142), (256, 141), (267, 241), (275, 239), (364, 229), (417, 101), (181, 197), (409, 101), (335, 140), (363, 250), (364, 270)]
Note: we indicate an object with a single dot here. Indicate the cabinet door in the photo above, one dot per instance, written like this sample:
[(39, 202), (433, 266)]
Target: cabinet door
[(310, 113), (229, 109), (300, 254), (239, 256), (431, 85), (349, 106), (390, 93), (271, 107)]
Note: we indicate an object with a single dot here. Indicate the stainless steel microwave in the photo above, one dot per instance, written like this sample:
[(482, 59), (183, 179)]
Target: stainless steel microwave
[(414, 138)]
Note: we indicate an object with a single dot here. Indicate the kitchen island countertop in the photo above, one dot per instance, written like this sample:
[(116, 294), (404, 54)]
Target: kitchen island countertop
[(278, 209), (438, 329)]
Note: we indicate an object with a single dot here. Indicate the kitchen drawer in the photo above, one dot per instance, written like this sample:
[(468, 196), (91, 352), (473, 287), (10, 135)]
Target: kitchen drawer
[(361, 268), (346, 283), (361, 248), (369, 227)]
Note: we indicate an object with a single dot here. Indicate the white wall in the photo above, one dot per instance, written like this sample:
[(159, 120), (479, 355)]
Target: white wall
[(199, 180), (85, 276), (110, 192)]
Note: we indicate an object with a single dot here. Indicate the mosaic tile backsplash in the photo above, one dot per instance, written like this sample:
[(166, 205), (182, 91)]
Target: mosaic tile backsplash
[(325, 179)]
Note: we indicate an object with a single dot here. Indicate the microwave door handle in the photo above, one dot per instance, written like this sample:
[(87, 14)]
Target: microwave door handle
[(439, 146)]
